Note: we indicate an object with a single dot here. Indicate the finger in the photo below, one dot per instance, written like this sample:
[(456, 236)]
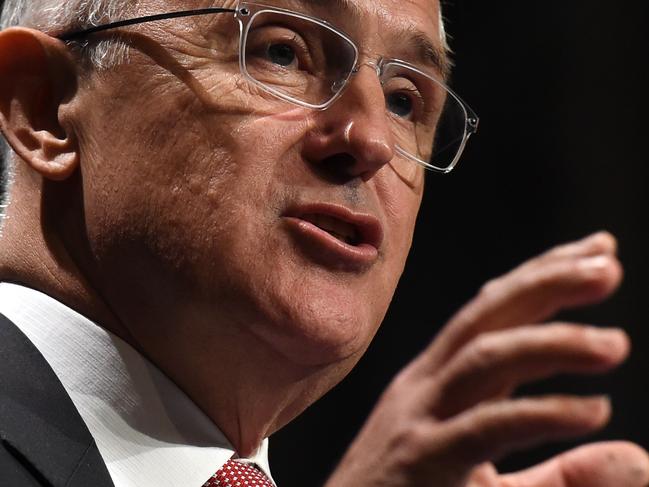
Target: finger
[(618, 464), (495, 363), (595, 244), (485, 475), (489, 431), (529, 294)]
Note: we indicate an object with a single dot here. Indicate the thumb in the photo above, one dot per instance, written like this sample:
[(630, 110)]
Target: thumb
[(618, 464)]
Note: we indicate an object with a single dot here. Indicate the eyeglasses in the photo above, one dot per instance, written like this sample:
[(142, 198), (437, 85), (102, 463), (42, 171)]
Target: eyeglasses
[(308, 62)]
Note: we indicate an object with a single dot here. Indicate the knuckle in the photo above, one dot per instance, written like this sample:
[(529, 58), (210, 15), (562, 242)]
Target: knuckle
[(549, 276), (413, 442), (569, 412), (567, 333), (405, 385), (537, 276), (491, 288), (479, 435), (556, 274), (595, 264), (597, 272), (559, 251), (554, 406), (422, 451), (483, 351)]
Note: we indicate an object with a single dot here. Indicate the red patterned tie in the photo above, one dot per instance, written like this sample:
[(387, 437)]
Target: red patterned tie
[(238, 474)]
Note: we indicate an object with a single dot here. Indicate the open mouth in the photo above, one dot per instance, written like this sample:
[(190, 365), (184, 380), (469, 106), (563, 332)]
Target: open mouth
[(335, 235), (343, 231)]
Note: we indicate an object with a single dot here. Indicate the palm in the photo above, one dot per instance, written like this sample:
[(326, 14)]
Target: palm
[(598, 465)]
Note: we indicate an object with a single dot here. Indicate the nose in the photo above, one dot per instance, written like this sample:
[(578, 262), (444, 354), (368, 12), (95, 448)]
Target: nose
[(353, 139)]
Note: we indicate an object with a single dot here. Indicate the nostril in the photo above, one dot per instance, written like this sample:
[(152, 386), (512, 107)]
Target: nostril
[(342, 162), (338, 168)]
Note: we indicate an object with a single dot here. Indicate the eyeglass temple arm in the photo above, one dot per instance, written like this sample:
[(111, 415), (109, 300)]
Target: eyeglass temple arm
[(140, 20)]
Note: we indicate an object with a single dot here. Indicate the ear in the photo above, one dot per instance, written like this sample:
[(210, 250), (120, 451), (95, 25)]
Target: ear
[(37, 78)]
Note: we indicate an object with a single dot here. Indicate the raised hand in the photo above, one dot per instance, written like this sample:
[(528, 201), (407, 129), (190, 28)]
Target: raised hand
[(450, 412)]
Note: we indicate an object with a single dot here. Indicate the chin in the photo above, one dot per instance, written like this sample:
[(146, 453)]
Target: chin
[(309, 313), (321, 331)]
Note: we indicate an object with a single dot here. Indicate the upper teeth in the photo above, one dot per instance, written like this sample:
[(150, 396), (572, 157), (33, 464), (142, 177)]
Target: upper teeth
[(338, 228)]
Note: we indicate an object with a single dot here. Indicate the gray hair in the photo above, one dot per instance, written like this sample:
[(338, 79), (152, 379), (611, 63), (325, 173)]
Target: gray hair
[(56, 17), (59, 16)]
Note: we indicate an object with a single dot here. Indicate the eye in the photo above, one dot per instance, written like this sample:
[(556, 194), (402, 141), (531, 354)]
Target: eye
[(281, 54), (400, 104), (407, 98)]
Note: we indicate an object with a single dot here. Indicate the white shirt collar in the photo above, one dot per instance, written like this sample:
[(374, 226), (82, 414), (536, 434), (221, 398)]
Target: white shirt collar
[(147, 430)]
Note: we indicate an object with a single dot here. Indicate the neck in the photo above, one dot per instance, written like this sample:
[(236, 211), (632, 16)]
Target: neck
[(246, 387), (33, 255)]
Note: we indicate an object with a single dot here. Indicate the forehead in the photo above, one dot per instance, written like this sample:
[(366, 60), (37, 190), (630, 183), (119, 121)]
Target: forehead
[(424, 11), (390, 14), (408, 29), (394, 15), (411, 30)]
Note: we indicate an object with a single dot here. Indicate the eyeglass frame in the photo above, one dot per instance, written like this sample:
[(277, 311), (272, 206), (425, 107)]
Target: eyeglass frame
[(243, 14)]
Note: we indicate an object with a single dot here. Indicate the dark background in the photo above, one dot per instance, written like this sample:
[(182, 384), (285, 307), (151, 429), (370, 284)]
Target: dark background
[(562, 89)]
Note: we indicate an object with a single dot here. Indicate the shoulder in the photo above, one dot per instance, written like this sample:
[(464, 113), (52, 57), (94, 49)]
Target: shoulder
[(43, 439)]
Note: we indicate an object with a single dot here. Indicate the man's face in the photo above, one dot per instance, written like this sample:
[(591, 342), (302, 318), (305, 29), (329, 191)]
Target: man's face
[(213, 208)]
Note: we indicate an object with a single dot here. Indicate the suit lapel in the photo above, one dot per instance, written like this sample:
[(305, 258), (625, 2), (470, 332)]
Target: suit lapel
[(39, 424)]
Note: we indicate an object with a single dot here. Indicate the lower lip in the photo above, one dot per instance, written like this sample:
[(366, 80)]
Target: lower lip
[(330, 251)]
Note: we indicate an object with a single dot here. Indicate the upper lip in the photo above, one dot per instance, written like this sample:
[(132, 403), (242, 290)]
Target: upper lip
[(368, 228)]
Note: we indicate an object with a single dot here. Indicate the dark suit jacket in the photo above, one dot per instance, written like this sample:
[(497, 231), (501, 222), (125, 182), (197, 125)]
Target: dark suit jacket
[(43, 440)]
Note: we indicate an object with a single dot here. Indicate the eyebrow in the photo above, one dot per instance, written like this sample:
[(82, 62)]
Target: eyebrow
[(427, 52)]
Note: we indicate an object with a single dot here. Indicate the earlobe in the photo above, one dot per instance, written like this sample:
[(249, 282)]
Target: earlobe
[(37, 78)]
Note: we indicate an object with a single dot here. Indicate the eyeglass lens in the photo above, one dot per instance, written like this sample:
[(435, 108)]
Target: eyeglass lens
[(304, 61), (299, 58)]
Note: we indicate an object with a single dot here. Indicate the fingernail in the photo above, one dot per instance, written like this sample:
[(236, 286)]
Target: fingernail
[(599, 406), (600, 234), (597, 263), (613, 342), (606, 240)]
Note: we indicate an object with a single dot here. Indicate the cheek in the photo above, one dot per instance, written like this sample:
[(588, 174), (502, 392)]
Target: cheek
[(200, 188), (400, 201)]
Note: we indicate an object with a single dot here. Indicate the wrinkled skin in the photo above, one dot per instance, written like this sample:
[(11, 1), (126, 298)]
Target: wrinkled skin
[(223, 161), (153, 198), (175, 217)]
